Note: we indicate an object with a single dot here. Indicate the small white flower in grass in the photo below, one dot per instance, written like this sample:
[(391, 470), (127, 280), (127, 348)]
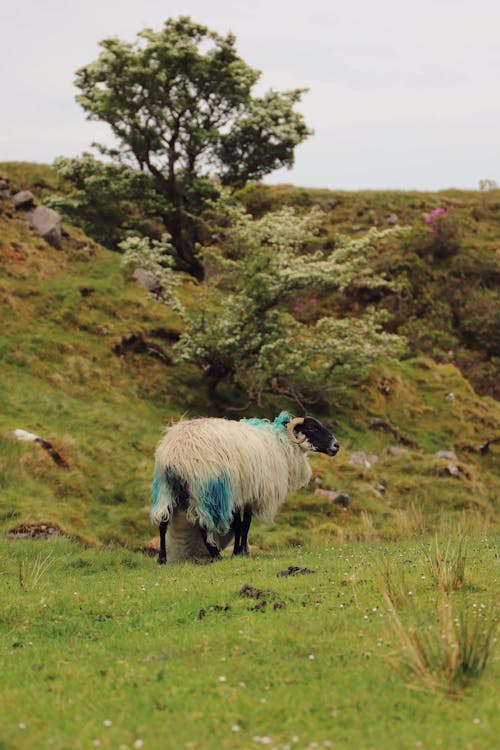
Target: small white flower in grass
[(22, 725), (311, 656), (107, 722), (476, 720), (222, 678), (138, 744), (96, 743), (235, 728), (295, 738)]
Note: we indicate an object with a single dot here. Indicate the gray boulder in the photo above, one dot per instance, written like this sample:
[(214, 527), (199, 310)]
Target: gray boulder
[(47, 223), (147, 280), (23, 200)]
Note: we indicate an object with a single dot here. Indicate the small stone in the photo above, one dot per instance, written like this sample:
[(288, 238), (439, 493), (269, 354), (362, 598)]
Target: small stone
[(360, 458), (397, 451), (392, 219), (448, 455), (453, 470)]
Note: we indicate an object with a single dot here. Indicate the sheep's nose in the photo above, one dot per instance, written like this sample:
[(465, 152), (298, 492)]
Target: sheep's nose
[(334, 447)]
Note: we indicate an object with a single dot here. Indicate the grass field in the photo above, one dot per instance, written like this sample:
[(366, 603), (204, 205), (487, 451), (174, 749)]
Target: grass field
[(103, 648)]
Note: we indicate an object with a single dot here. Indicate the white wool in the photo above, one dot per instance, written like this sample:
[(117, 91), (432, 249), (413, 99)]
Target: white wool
[(260, 464)]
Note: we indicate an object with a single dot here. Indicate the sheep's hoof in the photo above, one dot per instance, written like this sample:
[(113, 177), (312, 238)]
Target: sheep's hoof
[(162, 560)]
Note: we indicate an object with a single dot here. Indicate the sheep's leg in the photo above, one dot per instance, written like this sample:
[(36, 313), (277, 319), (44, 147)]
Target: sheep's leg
[(214, 551), (162, 556), (245, 527), (236, 527), (240, 526)]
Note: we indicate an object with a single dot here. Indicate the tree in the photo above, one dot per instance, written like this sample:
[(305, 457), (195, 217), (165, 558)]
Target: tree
[(244, 332), (179, 101)]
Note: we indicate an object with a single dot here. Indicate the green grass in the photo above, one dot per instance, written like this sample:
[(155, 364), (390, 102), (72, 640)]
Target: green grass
[(106, 649)]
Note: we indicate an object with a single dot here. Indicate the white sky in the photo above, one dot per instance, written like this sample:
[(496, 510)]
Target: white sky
[(403, 93)]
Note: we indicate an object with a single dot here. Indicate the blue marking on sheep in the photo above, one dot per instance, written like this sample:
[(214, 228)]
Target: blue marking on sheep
[(216, 503), (279, 423), (155, 489)]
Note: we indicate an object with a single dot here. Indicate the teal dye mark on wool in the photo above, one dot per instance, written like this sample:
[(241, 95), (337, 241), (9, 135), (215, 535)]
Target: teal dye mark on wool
[(282, 420), (155, 489), (279, 423), (216, 502)]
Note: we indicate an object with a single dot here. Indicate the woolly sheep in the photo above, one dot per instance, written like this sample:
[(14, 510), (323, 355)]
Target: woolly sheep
[(220, 472)]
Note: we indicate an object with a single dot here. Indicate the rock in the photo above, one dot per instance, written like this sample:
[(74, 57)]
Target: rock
[(397, 451), (452, 470), (392, 219), (23, 200), (47, 223), (339, 498), (450, 396), (448, 455), (360, 458), (147, 280), (4, 185), (294, 570), (331, 204)]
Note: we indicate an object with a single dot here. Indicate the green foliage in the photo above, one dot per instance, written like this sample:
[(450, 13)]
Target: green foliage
[(107, 200), (179, 103), (245, 335)]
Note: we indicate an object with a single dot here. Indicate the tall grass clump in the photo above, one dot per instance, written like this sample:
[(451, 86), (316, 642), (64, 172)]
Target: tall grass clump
[(447, 567), (31, 573), (446, 656)]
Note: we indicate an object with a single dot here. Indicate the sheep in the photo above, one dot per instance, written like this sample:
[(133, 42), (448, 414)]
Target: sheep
[(220, 472)]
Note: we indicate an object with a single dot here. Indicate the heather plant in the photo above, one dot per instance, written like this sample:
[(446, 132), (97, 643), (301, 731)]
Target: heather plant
[(243, 333), (444, 235)]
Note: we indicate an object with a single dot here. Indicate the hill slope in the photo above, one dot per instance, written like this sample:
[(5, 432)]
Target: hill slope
[(87, 364)]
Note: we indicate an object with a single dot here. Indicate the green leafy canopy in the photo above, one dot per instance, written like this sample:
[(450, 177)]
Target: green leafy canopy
[(179, 102)]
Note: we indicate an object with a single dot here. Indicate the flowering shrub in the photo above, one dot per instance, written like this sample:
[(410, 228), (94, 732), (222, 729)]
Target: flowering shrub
[(443, 238), (242, 333)]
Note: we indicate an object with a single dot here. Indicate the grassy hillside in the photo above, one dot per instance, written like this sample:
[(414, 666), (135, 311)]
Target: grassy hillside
[(87, 364)]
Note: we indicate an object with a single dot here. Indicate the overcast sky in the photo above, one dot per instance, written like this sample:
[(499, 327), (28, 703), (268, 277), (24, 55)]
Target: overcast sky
[(402, 93)]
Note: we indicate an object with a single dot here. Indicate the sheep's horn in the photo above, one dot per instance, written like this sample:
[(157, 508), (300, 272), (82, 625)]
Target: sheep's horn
[(290, 428)]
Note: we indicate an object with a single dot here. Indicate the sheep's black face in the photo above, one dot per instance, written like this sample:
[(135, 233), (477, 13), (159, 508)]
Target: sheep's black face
[(317, 437)]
